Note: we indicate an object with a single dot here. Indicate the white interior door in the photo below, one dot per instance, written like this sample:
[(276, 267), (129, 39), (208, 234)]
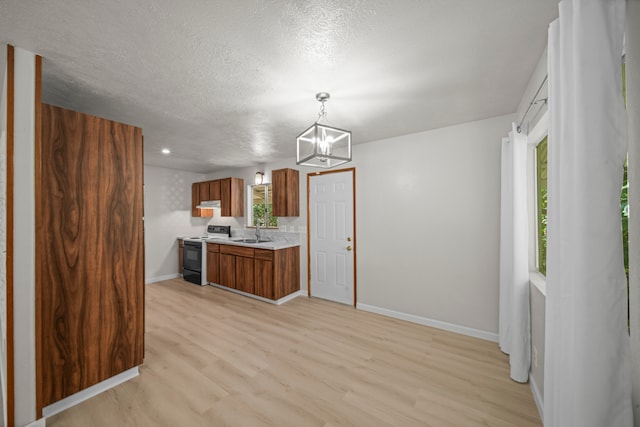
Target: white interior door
[(331, 236)]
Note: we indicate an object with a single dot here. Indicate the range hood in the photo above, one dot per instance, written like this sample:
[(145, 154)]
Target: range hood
[(209, 204)]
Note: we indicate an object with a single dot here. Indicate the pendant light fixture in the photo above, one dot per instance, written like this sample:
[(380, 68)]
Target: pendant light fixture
[(322, 145), (259, 178)]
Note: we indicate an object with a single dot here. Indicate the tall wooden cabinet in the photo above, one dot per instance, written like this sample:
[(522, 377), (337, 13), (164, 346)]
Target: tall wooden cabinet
[(89, 251), (286, 192)]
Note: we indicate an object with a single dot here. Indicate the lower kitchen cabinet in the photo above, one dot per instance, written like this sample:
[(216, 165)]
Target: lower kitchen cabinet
[(244, 274), (227, 270), (266, 273), (213, 262), (264, 278)]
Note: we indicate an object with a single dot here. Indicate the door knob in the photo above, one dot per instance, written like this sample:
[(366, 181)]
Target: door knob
[(348, 248)]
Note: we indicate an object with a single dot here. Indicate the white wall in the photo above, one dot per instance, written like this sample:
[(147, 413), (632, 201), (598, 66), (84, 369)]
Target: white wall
[(24, 243), (428, 223), (167, 210)]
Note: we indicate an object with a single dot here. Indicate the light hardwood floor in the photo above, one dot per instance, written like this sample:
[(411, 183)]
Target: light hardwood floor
[(214, 358)]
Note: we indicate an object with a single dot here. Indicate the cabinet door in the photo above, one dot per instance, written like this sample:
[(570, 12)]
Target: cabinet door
[(232, 196), (214, 190), (244, 274), (263, 278), (203, 187), (213, 267), (195, 199), (228, 270), (286, 192)]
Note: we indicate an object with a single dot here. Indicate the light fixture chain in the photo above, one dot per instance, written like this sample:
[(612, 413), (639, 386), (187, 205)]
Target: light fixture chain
[(322, 115)]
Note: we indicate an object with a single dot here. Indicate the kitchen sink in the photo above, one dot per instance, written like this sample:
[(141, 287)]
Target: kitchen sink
[(256, 240), (252, 240)]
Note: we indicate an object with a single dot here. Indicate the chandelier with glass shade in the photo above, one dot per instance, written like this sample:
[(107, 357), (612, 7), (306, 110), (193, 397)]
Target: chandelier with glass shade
[(322, 145)]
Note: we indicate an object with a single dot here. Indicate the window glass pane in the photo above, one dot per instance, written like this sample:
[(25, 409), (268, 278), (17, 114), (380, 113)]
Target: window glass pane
[(541, 183), (261, 206)]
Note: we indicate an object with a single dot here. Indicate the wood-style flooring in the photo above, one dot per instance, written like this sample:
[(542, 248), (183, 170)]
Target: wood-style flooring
[(214, 358)]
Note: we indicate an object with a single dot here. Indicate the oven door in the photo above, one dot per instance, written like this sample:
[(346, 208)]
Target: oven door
[(192, 256)]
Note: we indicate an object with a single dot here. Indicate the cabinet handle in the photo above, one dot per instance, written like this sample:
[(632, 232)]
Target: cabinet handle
[(348, 248)]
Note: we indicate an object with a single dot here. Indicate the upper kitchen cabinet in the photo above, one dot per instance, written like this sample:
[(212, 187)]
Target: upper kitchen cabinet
[(214, 190), (229, 191), (232, 196), (286, 192), (199, 193)]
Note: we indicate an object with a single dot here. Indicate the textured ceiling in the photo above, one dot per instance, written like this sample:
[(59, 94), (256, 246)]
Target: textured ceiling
[(232, 83)]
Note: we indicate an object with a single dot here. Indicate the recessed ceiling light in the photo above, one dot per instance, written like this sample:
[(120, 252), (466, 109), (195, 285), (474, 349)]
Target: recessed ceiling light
[(166, 151)]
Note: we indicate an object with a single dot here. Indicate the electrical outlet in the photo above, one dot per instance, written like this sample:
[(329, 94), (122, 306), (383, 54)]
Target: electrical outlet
[(534, 356)]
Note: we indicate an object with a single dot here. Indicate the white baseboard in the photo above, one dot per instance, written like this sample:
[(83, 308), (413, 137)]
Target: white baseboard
[(161, 278), (259, 298), (42, 422), (537, 396), (464, 330), (88, 393)]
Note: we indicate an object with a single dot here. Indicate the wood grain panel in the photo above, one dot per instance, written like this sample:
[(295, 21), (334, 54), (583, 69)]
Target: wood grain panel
[(214, 190), (232, 197), (263, 278), (244, 274), (213, 247), (265, 254), (39, 225), (213, 267), (92, 253), (204, 191), (237, 250), (228, 270), (286, 274), (286, 192), (9, 242)]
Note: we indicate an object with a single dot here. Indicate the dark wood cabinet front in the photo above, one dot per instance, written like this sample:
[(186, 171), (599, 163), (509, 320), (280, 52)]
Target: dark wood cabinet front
[(228, 270), (286, 192), (213, 263), (230, 192), (267, 273)]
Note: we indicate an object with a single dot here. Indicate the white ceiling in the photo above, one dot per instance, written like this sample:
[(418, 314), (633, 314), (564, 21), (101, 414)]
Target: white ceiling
[(232, 83)]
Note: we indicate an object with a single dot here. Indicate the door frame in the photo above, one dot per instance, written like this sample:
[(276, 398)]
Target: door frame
[(355, 246)]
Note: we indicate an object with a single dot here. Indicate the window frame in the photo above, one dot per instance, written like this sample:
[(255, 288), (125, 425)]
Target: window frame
[(539, 132), (268, 191)]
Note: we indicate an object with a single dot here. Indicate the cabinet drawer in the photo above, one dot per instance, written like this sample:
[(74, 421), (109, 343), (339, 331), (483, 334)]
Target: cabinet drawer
[(237, 250), (264, 254), (213, 247)]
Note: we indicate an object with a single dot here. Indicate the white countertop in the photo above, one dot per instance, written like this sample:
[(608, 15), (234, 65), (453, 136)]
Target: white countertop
[(274, 244)]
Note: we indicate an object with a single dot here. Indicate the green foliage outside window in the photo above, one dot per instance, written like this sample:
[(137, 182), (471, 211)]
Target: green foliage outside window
[(541, 172), (262, 207), (259, 212)]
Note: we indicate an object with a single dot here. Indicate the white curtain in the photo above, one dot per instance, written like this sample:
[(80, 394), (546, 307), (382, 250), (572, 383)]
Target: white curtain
[(587, 366), (514, 328)]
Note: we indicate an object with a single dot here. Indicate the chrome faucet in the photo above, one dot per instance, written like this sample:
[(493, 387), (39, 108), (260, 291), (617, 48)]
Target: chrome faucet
[(257, 230)]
